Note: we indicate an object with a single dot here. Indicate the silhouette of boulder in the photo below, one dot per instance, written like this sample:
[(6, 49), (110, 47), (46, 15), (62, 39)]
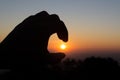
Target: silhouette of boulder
[(28, 41)]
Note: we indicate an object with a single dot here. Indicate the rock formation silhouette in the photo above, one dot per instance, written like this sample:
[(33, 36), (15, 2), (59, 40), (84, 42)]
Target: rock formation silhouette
[(28, 42)]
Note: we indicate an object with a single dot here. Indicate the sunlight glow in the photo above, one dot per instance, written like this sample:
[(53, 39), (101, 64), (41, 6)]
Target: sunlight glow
[(63, 46)]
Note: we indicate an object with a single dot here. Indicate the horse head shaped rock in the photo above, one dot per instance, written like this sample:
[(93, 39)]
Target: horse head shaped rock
[(32, 35)]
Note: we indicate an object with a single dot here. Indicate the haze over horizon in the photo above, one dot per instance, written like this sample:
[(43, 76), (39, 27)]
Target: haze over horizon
[(92, 24)]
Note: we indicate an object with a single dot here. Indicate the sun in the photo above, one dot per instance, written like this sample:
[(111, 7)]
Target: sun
[(63, 46)]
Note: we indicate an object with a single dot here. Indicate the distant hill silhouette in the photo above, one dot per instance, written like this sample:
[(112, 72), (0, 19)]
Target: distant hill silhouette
[(94, 68)]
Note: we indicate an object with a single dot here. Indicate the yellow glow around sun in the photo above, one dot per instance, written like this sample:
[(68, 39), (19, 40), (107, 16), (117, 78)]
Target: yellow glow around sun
[(63, 46)]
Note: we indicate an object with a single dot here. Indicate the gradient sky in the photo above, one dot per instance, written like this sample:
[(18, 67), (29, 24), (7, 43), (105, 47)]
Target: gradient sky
[(92, 24)]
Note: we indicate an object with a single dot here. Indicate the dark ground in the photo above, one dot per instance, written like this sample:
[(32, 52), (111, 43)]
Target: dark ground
[(91, 68)]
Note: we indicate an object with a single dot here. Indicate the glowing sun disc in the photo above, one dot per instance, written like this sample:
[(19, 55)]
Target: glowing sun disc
[(63, 46)]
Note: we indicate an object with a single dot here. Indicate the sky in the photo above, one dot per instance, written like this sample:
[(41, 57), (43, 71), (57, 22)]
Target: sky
[(92, 24)]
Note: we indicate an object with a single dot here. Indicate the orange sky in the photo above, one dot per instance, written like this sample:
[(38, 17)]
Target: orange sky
[(81, 45)]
